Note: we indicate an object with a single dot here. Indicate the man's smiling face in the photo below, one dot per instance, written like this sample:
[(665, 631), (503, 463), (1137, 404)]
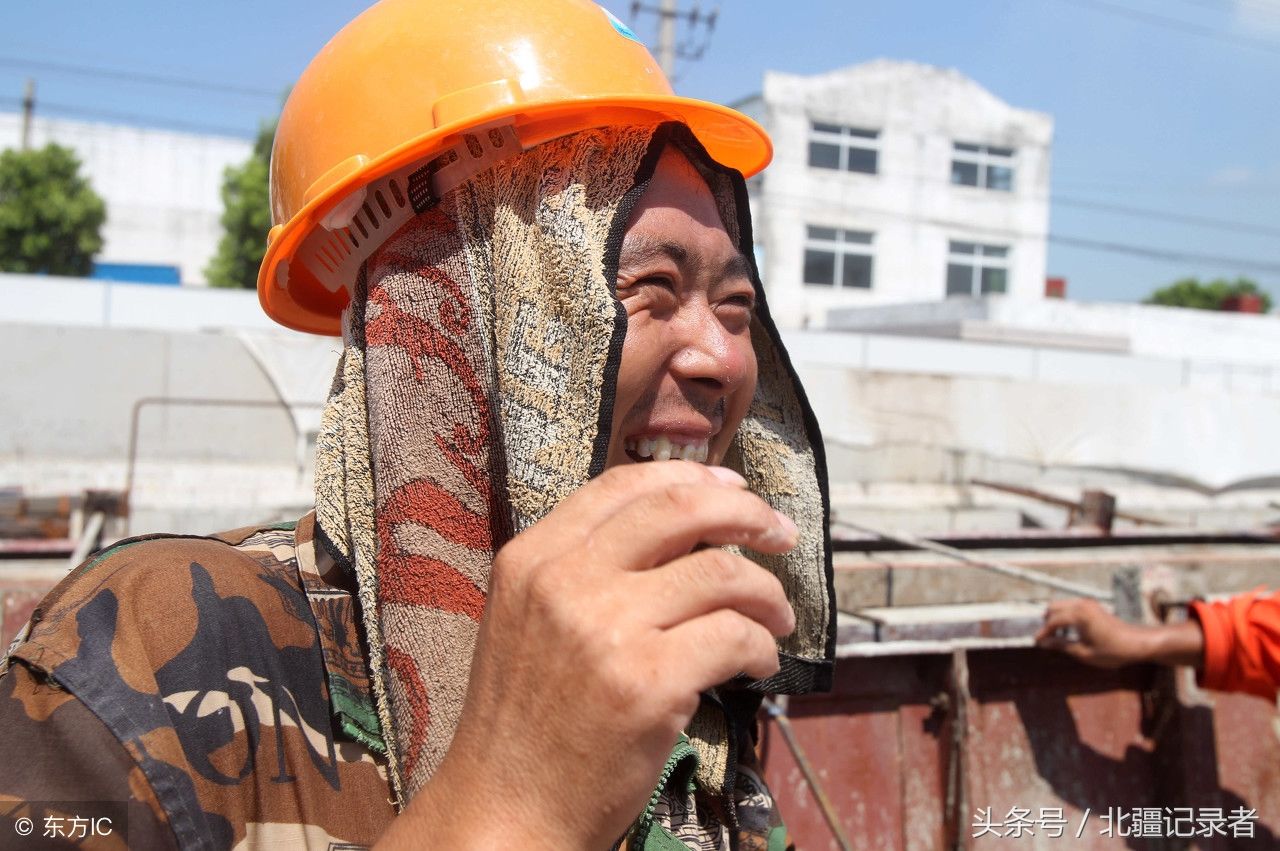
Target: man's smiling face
[(688, 370)]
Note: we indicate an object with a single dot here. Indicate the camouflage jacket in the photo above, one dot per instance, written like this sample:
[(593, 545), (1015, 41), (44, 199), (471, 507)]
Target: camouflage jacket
[(216, 683), (212, 692)]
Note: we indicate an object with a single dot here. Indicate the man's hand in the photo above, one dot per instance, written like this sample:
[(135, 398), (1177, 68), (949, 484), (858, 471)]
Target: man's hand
[(604, 623), (1085, 631)]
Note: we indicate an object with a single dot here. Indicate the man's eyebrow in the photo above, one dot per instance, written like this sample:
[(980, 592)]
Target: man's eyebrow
[(640, 249), (736, 267)]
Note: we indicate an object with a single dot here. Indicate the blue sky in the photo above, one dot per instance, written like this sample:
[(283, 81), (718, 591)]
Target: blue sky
[(1170, 106)]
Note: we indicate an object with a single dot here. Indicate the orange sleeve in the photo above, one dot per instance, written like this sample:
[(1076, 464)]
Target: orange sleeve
[(1241, 643)]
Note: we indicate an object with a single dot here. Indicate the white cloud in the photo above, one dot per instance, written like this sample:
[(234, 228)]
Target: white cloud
[(1233, 176), (1257, 17)]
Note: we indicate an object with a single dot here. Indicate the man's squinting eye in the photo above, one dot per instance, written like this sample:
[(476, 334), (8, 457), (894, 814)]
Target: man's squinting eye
[(734, 315), (652, 292), (661, 281), (736, 307)]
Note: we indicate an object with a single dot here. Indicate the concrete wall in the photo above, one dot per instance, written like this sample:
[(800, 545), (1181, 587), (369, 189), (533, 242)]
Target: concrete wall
[(52, 300), (1205, 337), (161, 187), (894, 408), (910, 205), (939, 403), (1032, 364), (70, 404)]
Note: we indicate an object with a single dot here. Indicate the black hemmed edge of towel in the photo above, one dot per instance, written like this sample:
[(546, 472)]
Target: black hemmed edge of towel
[(612, 254), (395, 767), (796, 672)]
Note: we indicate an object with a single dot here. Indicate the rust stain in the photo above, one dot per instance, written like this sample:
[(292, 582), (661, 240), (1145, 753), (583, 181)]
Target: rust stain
[(1045, 736)]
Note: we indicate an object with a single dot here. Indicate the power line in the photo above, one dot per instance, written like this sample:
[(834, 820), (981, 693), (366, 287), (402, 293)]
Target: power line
[(669, 49), (1086, 243), (1267, 187), (1175, 24), (135, 77), (1230, 225), (135, 120), (1198, 221), (1228, 6), (1165, 254)]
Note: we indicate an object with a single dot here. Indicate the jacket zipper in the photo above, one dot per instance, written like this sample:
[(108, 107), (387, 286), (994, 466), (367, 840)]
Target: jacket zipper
[(683, 750)]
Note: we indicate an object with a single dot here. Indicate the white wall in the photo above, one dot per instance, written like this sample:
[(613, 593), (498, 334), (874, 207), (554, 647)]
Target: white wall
[(79, 362), (1205, 339), (910, 205), (69, 402), (161, 187), (53, 300), (1211, 423)]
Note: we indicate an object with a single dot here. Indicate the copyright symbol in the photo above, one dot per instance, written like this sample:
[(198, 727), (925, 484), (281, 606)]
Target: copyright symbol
[(23, 826)]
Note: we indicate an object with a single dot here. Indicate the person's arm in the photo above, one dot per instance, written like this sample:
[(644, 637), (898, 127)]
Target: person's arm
[(57, 760), (1241, 643), (1086, 631), (602, 627)]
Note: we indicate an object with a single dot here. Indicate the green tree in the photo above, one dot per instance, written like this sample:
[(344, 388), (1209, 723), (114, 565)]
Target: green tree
[(50, 217), (1210, 295), (246, 217)]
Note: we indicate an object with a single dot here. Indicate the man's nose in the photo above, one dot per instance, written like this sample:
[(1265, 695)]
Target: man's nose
[(705, 351)]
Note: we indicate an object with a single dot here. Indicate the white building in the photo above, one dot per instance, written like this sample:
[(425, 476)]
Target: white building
[(897, 182), (162, 188)]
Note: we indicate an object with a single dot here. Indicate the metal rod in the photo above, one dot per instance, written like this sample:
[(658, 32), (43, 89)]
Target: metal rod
[(1072, 506), (88, 538), (957, 785), (1003, 568), (779, 714), (196, 402)]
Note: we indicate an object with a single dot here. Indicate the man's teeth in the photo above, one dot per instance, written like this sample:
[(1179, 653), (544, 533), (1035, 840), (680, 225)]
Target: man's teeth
[(663, 448)]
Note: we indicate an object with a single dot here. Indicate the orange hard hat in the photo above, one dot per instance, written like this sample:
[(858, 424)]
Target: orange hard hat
[(415, 96)]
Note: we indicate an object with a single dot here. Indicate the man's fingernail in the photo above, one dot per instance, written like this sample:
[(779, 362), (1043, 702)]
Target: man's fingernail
[(727, 476), (783, 533)]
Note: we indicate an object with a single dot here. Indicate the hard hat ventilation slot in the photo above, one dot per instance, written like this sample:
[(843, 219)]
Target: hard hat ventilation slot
[(420, 194), (396, 194), (352, 228), (474, 153)]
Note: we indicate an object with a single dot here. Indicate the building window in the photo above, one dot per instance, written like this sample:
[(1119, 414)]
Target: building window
[(982, 165), (838, 258), (976, 269), (844, 148)]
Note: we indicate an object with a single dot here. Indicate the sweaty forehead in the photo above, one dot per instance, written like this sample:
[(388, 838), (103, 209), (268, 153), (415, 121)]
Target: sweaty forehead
[(676, 191), (677, 217)]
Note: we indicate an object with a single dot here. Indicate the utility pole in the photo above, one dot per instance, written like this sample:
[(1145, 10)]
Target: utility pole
[(28, 110), (669, 48), (667, 38)]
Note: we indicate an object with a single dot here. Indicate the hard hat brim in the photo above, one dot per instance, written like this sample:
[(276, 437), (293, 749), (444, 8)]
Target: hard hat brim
[(730, 138)]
